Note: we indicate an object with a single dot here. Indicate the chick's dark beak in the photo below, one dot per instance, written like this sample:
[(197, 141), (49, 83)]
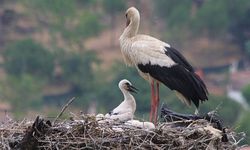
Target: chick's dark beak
[(133, 89)]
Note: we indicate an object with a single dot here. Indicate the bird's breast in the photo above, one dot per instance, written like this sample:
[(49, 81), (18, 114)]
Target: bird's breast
[(126, 45)]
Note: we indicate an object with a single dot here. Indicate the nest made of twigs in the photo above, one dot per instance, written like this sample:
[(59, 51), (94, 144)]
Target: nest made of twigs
[(87, 133)]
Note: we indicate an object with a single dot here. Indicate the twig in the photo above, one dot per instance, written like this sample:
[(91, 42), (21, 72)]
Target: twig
[(63, 109)]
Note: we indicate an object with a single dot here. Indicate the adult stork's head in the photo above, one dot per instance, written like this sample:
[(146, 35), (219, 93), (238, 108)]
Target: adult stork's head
[(132, 22), (125, 85), (132, 16)]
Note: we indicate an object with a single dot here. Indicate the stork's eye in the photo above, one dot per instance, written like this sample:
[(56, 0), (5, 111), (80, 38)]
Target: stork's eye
[(126, 15), (127, 84)]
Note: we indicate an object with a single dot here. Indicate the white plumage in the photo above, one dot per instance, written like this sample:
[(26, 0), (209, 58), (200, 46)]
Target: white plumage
[(145, 49), (158, 62), (144, 125), (125, 111)]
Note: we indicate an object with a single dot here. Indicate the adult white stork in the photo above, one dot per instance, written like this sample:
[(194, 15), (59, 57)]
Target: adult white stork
[(158, 62), (125, 111)]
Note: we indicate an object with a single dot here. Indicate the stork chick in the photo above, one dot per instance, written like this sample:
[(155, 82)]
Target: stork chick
[(125, 111)]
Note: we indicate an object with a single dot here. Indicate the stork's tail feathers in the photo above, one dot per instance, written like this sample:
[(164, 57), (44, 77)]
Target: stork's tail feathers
[(200, 90), (196, 91)]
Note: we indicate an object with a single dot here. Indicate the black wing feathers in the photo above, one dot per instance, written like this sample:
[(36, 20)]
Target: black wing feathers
[(177, 57), (178, 78)]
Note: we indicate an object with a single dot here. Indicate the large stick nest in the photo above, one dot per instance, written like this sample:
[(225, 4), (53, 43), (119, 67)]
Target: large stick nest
[(87, 133)]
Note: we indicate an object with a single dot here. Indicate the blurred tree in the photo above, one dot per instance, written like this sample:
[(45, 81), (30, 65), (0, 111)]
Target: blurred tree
[(88, 26), (246, 93), (28, 57), (68, 18), (247, 47), (243, 125), (7, 17), (212, 16), (23, 92), (175, 13), (112, 7), (60, 9), (240, 29), (87, 3), (78, 71)]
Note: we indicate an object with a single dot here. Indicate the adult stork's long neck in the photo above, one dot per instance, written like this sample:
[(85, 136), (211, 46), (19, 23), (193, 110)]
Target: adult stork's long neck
[(132, 27), (126, 39)]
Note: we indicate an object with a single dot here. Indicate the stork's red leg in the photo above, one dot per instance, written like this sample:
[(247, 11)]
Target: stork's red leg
[(152, 101), (157, 99)]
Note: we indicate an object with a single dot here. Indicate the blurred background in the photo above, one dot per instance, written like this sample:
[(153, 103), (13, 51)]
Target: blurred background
[(51, 51)]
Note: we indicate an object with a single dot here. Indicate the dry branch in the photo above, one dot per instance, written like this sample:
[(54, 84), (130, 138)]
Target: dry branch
[(63, 109)]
